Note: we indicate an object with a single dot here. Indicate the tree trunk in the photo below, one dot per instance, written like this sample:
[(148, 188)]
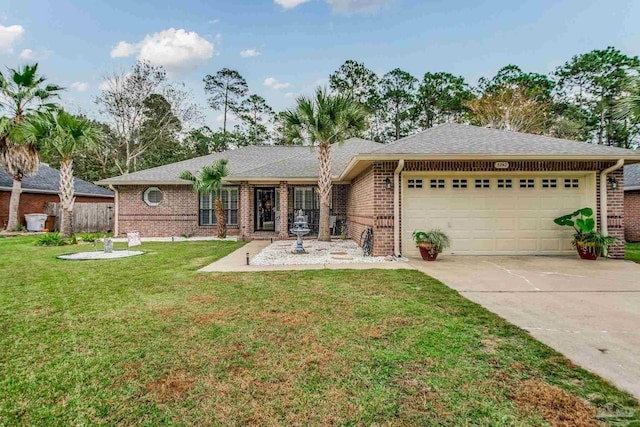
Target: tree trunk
[(14, 203), (220, 219), (66, 196), (324, 187)]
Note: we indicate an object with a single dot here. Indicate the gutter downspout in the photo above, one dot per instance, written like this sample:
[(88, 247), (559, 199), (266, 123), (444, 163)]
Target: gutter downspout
[(396, 208), (116, 210), (604, 227)]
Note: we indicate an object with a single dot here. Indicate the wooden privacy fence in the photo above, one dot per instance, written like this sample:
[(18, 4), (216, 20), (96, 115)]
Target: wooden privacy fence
[(87, 217)]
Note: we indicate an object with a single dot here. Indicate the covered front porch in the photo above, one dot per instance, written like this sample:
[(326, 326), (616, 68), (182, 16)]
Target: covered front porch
[(267, 210)]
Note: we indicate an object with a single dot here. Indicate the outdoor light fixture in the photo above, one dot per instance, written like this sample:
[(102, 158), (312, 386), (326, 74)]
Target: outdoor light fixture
[(387, 183), (614, 182)]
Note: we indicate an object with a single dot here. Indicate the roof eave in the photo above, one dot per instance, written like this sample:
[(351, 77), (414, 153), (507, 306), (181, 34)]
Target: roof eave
[(632, 188), (75, 193), (633, 158)]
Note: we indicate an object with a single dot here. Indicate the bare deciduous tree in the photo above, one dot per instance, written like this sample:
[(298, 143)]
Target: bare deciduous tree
[(122, 102)]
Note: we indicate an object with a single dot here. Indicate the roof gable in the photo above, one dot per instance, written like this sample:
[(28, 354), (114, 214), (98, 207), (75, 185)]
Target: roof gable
[(458, 139)]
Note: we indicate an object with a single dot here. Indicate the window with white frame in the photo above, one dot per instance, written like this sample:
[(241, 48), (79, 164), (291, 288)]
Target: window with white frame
[(571, 183), (483, 183), (414, 183), (436, 183), (306, 198), (459, 183), (505, 183), (549, 183), (527, 183), (152, 196), (229, 199)]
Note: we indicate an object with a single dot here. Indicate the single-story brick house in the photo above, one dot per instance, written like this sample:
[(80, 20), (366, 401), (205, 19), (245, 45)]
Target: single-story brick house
[(43, 188), (493, 192), (632, 203)]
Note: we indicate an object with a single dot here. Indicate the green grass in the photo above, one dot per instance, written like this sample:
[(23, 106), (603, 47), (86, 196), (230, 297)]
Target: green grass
[(632, 252), (149, 341)]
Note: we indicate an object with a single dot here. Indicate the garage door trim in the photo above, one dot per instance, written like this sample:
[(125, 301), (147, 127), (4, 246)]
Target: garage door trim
[(589, 193)]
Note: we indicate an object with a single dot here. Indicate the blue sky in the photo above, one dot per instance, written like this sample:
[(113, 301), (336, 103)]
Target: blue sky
[(300, 42)]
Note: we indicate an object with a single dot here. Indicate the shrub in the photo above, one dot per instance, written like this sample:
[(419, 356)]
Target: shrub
[(50, 239), (91, 237)]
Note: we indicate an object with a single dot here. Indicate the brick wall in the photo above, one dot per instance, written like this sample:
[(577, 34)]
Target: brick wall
[(632, 215), (380, 213), (35, 203), (360, 204), (615, 212), (176, 215), (383, 208)]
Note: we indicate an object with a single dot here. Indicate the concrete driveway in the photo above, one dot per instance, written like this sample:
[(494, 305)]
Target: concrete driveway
[(589, 311)]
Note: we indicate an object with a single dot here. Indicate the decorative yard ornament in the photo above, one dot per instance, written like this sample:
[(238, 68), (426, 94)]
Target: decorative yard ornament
[(300, 228)]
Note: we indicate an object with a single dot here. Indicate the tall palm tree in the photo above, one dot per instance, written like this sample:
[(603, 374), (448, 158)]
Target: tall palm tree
[(628, 107), (22, 92), (209, 180), (65, 135), (323, 120)]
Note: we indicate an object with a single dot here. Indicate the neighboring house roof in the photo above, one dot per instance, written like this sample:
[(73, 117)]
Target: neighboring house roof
[(254, 162), (632, 177), (47, 181), (452, 138)]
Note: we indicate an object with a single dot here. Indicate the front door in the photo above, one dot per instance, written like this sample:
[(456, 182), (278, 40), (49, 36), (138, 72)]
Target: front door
[(265, 209)]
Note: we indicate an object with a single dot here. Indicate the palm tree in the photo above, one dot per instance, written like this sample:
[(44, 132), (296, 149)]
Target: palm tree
[(628, 107), (22, 92), (209, 180), (65, 135), (323, 120)]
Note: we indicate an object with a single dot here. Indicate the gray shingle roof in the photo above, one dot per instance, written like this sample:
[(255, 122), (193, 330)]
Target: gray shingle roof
[(632, 176), (454, 139), (47, 180), (257, 161)]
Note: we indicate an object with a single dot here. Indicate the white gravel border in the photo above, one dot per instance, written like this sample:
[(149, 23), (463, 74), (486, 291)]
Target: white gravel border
[(334, 252), (175, 239), (94, 255)]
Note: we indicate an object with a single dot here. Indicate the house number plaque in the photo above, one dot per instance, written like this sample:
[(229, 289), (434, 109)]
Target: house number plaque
[(501, 165)]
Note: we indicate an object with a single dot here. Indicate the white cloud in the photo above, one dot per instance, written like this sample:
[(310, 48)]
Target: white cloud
[(80, 86), (343, 6), (176, 50), (9, 36), (249, 53), (109, 84), (275, 83), (214, 21), (289, 4), (290, 95), (34, 55), (123, 50)]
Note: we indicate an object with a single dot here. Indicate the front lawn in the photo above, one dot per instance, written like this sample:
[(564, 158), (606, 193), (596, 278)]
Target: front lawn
[(632, 252), (149, 341)]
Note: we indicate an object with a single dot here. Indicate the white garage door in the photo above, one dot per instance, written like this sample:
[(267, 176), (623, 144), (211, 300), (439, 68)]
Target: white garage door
[(495, 214)]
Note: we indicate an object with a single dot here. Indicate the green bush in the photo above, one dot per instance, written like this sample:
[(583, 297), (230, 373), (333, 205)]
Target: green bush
[(50, 239), (91, 237)]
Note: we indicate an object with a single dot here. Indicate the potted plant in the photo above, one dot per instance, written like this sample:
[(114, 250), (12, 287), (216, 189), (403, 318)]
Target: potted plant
[(431, 243), (589, 242)]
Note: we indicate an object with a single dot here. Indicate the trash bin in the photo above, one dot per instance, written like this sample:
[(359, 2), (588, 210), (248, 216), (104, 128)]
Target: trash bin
[(35, 222)]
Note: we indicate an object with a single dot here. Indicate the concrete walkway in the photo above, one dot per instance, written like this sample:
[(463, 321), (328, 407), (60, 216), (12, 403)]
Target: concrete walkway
[(587, 310), (237, 262)]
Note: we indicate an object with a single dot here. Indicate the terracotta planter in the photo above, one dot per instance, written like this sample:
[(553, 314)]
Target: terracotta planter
[(585, 253), (427, 252)]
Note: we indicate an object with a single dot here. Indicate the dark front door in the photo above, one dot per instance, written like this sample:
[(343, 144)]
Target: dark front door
[(265, 209)]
